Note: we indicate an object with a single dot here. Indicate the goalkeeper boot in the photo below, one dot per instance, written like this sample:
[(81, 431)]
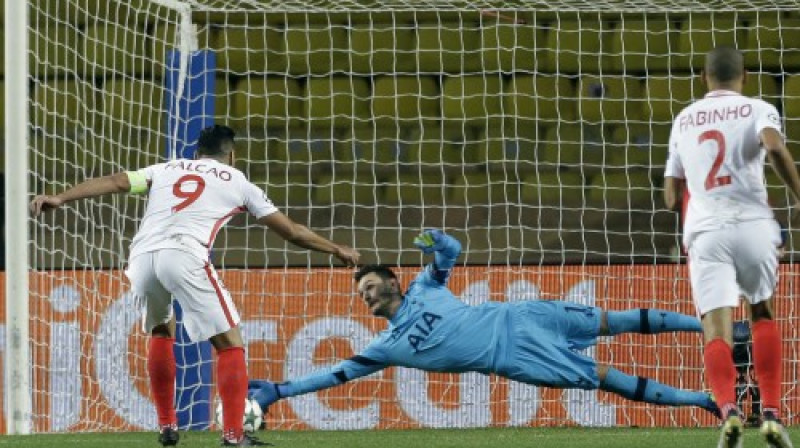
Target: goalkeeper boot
[(168, 436), (732, 429), (774, 432), (246, 440)]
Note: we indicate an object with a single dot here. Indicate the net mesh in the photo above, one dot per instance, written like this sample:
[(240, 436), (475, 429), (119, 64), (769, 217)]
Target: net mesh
[(637, 6), (535, 132)]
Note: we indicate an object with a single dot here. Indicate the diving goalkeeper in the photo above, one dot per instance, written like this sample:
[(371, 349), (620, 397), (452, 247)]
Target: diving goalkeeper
[(534, 342)]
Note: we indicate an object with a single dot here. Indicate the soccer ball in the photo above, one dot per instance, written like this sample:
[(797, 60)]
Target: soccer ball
[(253, 416)]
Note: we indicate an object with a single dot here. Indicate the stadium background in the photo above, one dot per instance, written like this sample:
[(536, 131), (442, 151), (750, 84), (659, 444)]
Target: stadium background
[(538, 144)]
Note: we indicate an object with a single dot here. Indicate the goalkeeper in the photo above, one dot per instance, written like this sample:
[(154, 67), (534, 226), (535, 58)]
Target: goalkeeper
[(534, 342)]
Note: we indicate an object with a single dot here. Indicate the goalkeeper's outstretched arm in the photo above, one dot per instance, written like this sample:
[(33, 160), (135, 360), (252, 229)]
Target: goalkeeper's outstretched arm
[(98, 186), (266, 392)]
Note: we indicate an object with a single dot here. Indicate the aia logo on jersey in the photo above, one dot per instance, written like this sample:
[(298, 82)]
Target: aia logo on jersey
[(423, 328)]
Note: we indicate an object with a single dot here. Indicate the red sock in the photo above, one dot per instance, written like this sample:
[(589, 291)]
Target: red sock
[(721, 374), (232, 385), (161, 367), (767, 361)]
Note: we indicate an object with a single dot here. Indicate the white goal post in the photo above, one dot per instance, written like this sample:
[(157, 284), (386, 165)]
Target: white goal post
[(534, 131), (16, 380)]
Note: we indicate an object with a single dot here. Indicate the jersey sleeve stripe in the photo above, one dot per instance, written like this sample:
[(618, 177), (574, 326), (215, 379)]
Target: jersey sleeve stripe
[(364, 361), (341, 376)]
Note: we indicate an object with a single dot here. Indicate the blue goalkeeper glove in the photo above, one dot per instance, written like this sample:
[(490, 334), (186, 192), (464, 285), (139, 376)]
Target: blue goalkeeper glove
[(431, 240), (264, 392), (446, 249)]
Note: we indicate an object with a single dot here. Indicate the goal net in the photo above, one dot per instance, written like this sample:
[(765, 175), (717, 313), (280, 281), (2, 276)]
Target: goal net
[(535, 132)]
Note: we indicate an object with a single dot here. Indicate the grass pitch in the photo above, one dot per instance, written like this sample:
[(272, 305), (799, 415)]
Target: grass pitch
[(428, 438)]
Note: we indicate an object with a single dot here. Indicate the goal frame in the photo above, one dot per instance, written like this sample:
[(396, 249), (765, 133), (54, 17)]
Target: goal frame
[(17, 381), (15, 335)]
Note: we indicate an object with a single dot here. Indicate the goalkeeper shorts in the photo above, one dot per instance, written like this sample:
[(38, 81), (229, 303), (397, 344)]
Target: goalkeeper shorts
[(548, 342)]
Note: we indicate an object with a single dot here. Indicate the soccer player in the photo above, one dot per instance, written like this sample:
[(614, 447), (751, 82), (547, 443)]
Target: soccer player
[(534, 342), (717, 150), (188, 202)]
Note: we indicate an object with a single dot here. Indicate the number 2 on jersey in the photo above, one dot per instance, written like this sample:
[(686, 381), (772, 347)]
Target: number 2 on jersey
[(188, 196), (712, 181)]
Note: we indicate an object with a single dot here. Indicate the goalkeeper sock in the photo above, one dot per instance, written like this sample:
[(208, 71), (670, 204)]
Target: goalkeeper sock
[(650, 321), (161, 369), (721, 374), (637, 388), (767, 360), (232, 385)]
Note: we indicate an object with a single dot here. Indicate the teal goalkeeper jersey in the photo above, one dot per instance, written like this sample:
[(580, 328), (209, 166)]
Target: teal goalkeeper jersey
[(533, 342), (433, 330)]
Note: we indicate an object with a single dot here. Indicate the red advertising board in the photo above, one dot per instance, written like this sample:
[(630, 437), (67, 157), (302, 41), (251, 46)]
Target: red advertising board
[(89, 369)]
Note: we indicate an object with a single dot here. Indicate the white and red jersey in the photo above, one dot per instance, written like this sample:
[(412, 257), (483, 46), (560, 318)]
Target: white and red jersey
[(190, 200), (715, 145)]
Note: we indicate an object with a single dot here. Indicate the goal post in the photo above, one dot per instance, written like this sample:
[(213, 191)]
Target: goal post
[(535, 133), (190, 97), (17, 376)]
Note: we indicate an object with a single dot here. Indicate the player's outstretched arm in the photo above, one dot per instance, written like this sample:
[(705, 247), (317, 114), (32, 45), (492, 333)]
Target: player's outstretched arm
[(267, 392), (781, 160), (302, 236), (99, 186), (445, 248)]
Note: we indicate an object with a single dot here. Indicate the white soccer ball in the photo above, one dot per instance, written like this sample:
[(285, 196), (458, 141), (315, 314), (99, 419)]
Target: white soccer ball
[(253, 416)]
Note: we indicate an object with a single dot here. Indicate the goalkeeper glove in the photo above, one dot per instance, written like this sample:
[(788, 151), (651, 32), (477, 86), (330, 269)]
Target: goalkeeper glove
[(264, 392), (431, 240)]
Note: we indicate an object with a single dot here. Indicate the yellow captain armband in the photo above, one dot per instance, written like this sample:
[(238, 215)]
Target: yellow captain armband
[(138, 182)]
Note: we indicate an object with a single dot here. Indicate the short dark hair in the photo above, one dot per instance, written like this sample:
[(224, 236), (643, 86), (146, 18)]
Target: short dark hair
[(383, 271), (212, 138), (724, 64)]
